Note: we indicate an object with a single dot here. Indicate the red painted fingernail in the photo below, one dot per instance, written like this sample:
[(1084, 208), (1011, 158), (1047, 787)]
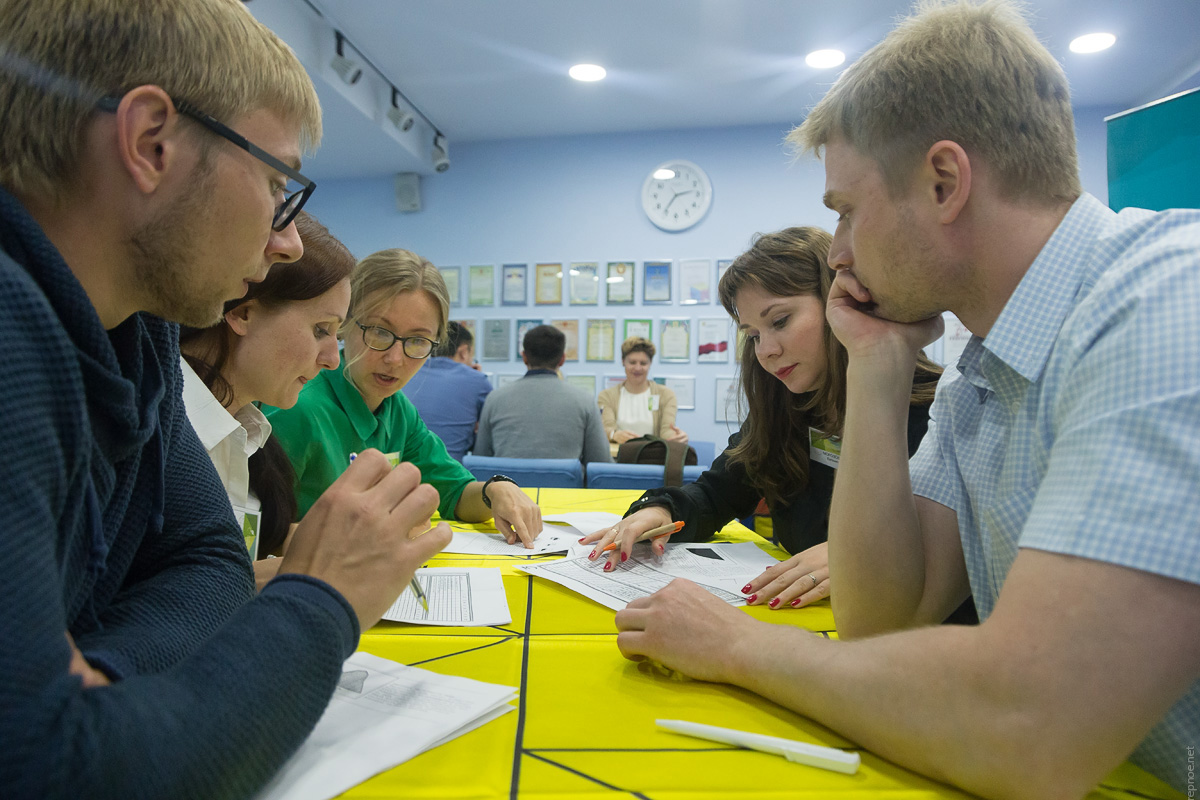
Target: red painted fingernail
[(751, 598), (592, 555), (607, 566), (774, 602), (624, 557), (746, 589), (795, 602), (581, 539)]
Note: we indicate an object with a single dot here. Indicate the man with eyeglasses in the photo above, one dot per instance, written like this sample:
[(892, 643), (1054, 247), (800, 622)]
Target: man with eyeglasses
[(138, 191)]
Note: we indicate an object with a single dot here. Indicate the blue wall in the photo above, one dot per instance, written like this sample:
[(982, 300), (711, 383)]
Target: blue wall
[(577, 199)]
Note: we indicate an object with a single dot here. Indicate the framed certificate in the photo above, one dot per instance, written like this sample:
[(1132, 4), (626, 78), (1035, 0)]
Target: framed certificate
[(585, 382), (585, 283), (619, 283), (695, 282), (675, 340), (613, 380), (684, 387), (722, 265), (481, 285), (524, 326), (641, 328), (570, 328), (547, 289), (451, 277), (496, 336), (656, 283), (727, 400), (712, 335), (505, 380), (600, 335), (512, 284)]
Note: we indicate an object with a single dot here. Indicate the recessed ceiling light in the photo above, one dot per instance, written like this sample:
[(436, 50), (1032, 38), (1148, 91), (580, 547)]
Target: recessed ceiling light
[(587, 72), (1092, 42), (824, 59), (664, 174)]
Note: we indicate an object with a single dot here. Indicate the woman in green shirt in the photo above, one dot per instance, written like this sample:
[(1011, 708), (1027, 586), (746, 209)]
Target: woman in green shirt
[(398, 312)]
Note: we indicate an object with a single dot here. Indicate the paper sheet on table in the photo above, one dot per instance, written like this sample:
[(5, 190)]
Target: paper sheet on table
[(382, 714), (553, 538), (461, 596), (722, 569)]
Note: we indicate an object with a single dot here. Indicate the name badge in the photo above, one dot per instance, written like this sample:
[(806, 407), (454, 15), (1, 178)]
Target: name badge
[(654, 402), (824, 449), (249, 521)]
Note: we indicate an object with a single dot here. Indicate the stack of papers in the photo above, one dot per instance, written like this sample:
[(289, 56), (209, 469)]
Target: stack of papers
[(722, 569), (467, 597), (382, 714), (551, 539)]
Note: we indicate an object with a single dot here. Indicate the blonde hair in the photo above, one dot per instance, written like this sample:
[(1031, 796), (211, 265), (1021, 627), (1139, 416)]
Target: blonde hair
[(636, 344), (971, 73), (383, 276), (58, 57)]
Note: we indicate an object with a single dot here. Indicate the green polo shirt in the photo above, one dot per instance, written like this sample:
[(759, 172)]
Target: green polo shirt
[(330, 421)]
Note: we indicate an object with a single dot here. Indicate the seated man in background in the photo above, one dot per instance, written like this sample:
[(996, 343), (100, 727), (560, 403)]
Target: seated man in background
[(541, 415), (136, 659), (449, 392)]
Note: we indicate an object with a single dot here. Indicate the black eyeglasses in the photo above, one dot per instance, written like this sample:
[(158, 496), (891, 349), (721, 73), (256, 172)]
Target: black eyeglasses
[(381, 339), (293, 198)]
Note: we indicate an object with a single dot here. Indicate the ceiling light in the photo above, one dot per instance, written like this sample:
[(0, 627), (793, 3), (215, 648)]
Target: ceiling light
[(347, 69), (1092, 42), (441, 159), (401, 118), (587, 72), (824, 59), (664, 174)]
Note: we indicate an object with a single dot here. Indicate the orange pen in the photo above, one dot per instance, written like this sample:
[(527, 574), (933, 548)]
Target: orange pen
[(653, 533)]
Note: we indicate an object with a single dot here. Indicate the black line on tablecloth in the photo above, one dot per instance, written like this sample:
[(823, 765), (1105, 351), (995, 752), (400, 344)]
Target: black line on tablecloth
[(584, 775), (522, 704), (463, 652)]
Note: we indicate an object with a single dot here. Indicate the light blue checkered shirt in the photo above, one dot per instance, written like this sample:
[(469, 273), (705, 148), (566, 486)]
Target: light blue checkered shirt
[(1074, 427)]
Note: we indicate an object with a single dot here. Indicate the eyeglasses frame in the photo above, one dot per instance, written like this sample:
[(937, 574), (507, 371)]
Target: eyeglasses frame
[(433, 343), (110, 103)]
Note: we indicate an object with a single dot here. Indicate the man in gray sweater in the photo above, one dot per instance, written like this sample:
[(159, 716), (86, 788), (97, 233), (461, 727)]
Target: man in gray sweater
[(542, 416)]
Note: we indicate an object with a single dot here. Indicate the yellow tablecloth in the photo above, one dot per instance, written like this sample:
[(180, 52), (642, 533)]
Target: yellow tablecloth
[(584, 726)]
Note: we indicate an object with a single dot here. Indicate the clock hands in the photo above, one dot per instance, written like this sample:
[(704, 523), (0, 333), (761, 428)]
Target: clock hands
[(672, 200)]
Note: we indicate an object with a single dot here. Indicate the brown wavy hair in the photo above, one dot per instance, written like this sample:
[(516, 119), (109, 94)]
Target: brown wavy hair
[(774, 444)]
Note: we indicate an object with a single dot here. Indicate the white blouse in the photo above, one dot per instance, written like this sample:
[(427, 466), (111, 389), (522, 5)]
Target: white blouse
[(230, 440), (635, 412)]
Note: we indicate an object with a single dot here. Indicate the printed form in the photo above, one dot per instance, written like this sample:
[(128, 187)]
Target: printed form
[(551, 539), (469, 597), (722, 569)]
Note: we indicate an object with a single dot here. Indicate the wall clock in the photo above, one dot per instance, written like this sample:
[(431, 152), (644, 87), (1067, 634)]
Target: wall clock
[(676, 195)]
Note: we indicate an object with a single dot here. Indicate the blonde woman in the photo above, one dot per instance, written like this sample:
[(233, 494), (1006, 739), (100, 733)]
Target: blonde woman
[(398, 314), (638, 406)]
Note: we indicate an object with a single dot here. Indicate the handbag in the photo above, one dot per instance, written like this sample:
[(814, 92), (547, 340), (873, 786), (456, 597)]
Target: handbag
[(655, 450)]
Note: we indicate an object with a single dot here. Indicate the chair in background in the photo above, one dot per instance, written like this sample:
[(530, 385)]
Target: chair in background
[(705, 452), (547, 473), (633, 476)]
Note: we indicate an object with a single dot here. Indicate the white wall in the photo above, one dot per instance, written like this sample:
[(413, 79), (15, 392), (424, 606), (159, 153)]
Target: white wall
[(577, 199)]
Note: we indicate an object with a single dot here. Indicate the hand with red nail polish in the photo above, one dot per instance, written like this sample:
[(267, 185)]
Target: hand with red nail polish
[(798, 581)]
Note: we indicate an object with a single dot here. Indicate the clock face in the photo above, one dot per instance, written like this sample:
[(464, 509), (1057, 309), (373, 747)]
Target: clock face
[(676, 195)]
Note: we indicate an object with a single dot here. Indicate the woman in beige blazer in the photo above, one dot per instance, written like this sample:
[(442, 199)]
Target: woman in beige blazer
[(638, 406)]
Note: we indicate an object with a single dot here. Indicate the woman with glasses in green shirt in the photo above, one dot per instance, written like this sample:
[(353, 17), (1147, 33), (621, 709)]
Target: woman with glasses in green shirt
[(398, 313)]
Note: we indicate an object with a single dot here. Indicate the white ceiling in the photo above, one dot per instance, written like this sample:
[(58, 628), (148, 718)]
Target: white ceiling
[(496, 69)]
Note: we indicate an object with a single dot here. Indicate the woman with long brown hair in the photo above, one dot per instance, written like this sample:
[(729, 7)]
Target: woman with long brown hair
[(793, 378)]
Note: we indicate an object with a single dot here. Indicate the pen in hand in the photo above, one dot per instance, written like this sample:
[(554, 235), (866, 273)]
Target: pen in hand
[(414, 584), (653, 533)]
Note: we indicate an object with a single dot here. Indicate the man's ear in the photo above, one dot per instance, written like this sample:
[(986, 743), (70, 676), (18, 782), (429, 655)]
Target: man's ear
[(463, 354), (239, 317), (148, 136), (561, 360), (948, 170)]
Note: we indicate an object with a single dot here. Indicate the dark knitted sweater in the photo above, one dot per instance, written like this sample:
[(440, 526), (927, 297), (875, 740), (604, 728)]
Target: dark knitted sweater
[(115, 527)]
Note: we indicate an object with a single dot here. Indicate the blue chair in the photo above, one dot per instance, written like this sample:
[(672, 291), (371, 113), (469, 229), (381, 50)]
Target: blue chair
[(632, 476), (547, 473), (706, 452)]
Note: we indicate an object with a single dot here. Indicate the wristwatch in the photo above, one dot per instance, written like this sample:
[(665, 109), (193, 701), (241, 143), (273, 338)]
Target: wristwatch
[(502, 478)]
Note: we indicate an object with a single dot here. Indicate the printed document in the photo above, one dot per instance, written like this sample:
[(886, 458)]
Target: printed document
[(551, 539), (382, 714), (722, 569), (469, 597)]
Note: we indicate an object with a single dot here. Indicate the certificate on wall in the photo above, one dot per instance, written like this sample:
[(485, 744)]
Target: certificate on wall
[(656, 283), (451, 276), (585, 283), (496, 335), (547, 289), (722, 265), (620, 283), (640, 328), (613, 380), (512, 285), (674, 340), (695, 281), (713, 338), (585, 382), (727, 400), (600, 335), (524, 326), (481, 285), (570, 328), (505, 380), (684, 387)]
